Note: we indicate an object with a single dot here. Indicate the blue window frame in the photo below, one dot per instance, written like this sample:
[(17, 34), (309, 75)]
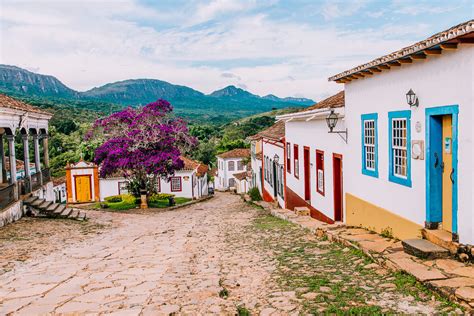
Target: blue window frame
[(399, 139), (369, 143)]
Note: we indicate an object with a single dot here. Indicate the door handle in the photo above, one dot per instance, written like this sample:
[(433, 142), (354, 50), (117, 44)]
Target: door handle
[(436, 160), (451, 176)]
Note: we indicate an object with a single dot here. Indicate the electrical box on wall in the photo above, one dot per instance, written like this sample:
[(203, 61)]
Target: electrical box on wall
[(418, 149)]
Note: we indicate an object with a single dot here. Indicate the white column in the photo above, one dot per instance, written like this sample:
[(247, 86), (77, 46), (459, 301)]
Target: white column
[(11, 149), (2, 156), (37, 153), (45, 151), (26, 159)]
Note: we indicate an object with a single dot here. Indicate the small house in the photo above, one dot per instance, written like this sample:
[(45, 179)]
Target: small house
[(228, 164)]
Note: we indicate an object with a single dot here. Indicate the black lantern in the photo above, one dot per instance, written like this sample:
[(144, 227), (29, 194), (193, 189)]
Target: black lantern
[(412, 99), (276, 158), (331, 120)]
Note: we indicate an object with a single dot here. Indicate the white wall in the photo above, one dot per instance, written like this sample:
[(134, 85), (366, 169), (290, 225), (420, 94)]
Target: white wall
[(437, 81), (223, 173), (269, 150), (60, 191), (314, 134)]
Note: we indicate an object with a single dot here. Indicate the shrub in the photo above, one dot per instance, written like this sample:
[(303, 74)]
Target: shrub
[(255, 194), (159, 197), (127, 201), (114, 199)]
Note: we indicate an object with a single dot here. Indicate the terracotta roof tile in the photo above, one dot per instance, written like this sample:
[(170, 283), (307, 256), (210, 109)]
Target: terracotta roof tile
[(334, 101), (58, 181), (241, 175), (275, 132), (8, 102), (236, 153)]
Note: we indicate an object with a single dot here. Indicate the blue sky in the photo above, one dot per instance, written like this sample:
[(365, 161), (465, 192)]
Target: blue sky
[(288, 48)]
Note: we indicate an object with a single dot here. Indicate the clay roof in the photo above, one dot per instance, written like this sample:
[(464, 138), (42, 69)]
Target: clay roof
[(190, 164), (213, 172), (8, 102), (20, 165), (241, 175), (59, 180), (334, 101), (275, 132), (236, 153), (451, 35)]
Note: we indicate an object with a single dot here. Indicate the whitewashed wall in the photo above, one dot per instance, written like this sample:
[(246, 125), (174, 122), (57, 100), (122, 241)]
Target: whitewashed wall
[(437, 81), (270, 150), (314, 134), (223, 173)]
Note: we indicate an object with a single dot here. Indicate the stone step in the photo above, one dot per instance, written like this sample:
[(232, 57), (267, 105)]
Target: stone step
[(82, 216), (425, 249), (52, 207), (43, 206), (59, 210), (302, 211), (36, 203), (30, 200), (441, 238), (67, 212), (74, 213)]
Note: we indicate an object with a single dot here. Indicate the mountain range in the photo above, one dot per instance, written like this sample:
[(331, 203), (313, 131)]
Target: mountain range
[(225, 104)]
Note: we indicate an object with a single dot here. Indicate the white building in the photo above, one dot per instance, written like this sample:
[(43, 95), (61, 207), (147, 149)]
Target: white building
[(59, 190), (84, 184), (408, 162), (18, 118), (313, 159), (256, 162), (228, 164), (243, 181)]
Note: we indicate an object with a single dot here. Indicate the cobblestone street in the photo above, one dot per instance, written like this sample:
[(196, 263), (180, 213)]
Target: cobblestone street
[(221, 256)]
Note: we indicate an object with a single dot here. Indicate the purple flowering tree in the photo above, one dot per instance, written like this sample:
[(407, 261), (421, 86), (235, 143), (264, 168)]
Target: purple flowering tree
[(142, 144)]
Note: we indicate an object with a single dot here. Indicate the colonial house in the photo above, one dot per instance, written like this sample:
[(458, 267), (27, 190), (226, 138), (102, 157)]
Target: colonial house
[(228, 164), (408, 161), (85, 185), (242, 181), (18, 182), (312, 158), (256, 162), (272, 142)]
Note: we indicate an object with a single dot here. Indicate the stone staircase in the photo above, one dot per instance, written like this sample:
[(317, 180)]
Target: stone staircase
[(41, 207)]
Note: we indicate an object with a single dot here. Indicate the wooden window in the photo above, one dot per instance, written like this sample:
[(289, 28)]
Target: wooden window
[(158, 184), (231, 182), (240, 165), (123, 187), (231, 166), (320, 171), (176, 184), (369, 145), (296, 161), (288, 157), (399, 155)]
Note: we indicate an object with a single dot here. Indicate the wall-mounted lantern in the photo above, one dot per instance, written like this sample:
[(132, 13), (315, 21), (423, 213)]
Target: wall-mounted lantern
[(276, 158), (412, 99), (331, 121)]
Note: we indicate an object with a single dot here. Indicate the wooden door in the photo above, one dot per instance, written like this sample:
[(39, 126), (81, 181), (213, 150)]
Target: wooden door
[(447, 189), (337, 187), (83, 188), (307, 174)]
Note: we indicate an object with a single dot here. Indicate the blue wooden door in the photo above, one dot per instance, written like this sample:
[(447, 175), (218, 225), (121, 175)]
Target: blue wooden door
[(435, 169)]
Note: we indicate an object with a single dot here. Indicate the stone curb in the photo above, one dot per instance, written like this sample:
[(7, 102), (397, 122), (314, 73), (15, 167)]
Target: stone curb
[(454, 281), (189, 203)]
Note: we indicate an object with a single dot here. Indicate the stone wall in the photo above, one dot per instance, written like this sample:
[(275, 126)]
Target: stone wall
[(11, 213)]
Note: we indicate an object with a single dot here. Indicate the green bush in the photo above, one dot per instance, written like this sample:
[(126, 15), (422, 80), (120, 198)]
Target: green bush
[(159, 197), (255, 194), (114, 199), (127, 201)]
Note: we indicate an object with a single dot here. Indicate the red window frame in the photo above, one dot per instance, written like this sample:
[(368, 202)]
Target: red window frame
[(288, 157), (158, 185), (296, 161), (180, 184), (320, 166)]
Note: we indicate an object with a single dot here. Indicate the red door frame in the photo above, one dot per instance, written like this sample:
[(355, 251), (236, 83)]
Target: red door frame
[(338, 187), (307, 173)]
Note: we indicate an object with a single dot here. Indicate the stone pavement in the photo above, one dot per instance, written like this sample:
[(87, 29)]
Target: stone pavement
[(451, 278)]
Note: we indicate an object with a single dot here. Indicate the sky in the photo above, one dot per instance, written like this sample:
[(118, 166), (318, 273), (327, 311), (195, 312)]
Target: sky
[(286, 48)]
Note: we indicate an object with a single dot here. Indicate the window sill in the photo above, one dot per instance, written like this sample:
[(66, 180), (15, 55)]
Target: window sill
[(401, 181)]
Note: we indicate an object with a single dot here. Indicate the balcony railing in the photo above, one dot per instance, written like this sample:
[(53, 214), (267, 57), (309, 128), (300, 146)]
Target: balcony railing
[(46, 175), (36, 181), (7, 195)]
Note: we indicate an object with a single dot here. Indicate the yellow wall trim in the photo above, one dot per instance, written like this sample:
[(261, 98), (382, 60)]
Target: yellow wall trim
[(367, 215)]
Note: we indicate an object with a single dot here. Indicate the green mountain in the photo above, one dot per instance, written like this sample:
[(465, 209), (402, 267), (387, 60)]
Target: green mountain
[(221, 106)]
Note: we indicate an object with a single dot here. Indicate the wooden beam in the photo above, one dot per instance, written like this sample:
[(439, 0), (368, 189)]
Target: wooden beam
[(418, 56), (468, 40), (358, 75), (395, 63), (367, 73), (405, 60), (432, 51), (375, 69), (384, 66), (449, 46)]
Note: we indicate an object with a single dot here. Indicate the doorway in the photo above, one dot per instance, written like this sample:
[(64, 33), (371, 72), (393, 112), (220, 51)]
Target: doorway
[(337, 187), (442, 151), (274, 180), (307, 175), (83, 188)]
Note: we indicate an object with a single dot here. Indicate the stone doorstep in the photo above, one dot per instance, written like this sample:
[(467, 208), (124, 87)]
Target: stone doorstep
[(302, 211), (441, 238), (425, 249), (392, 257)]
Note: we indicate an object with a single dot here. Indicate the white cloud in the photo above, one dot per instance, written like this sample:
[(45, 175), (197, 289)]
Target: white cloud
[(339, 8), (87, 45)]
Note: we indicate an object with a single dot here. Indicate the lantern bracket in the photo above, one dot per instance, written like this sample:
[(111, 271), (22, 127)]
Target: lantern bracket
[(342, 134)]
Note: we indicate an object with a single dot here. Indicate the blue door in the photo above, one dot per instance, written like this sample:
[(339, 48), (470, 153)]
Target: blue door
[(435, 163)]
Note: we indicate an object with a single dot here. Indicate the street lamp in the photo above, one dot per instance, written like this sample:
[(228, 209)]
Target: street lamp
[(412, 99), (331, 121)]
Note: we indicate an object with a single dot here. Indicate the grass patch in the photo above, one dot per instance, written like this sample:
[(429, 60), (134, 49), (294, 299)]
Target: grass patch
[(165, 203), (224, 293), (242, 311), (268, 222)]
